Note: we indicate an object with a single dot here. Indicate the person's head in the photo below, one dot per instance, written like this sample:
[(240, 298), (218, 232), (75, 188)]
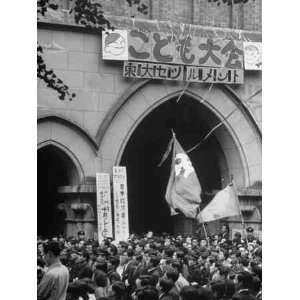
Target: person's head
[(149, 234), (237, 236), (224, 228), (101, 265), (154, 261), (81, 235), (189, 293), (172, 274), (51, 252), (204, 294), (195, 242), (100, 279), (244, 280), (177, 266), (147, 293), (167, 242), (142, 280), (138, 248), (113, 277), (218, 289), (118, 289), (114, 262), (203, 243), (165, 285), (168, 252)]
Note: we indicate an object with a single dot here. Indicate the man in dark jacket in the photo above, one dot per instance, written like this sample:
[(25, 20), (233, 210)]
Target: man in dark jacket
[(166, 288)]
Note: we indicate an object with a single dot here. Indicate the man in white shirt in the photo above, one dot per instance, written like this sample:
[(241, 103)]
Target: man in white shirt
[(54, 283)]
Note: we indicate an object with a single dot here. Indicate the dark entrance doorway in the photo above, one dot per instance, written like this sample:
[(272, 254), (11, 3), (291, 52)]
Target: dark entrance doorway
[(147, 182), (55, 168)]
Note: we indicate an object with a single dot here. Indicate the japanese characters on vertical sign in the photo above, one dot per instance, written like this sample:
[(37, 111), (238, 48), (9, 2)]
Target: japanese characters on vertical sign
[(104, 213), (120, 204)]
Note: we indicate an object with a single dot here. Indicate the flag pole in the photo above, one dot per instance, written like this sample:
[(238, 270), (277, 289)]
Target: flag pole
[(204, 228), (206, 236), (240, 211)]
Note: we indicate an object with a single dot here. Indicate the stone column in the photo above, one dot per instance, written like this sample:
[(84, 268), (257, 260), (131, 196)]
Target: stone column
[(79, 204)]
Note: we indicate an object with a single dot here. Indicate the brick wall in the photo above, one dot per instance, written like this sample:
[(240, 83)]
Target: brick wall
[(201, 12)]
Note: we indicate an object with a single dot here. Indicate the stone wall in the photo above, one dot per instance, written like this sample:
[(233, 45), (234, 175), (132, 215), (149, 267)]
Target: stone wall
[(97, 84), (200, 12)]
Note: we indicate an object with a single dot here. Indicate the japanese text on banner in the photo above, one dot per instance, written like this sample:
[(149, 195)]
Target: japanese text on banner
[(120, 204), (185, 49), (104, 213), (182, 73)]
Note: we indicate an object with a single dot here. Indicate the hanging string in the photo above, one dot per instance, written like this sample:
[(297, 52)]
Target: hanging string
[(211, 131), (205, 98), (253, 95), (182, 91)]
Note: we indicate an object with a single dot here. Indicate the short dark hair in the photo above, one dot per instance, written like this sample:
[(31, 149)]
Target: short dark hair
[(147, 293), (166, 284), (114, 260), (177, 265), (189, 293), (154, 260), (169, 252), (119, 288), (100, 278), (172, 274), (101, 266), (53, 247), (246, 279)]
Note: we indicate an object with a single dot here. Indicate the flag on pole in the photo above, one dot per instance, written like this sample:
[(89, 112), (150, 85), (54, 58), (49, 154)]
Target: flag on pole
[(224, 204), (184, 189)]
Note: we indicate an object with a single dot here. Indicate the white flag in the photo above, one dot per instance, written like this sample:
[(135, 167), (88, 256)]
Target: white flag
[(224, 204)]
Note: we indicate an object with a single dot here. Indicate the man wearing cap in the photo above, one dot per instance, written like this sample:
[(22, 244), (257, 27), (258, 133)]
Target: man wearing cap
[(81, 235), (250, 234), (54, 283)]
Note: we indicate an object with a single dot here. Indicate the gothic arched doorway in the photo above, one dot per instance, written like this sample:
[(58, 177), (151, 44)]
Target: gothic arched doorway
[(55, 169), (147, 182)]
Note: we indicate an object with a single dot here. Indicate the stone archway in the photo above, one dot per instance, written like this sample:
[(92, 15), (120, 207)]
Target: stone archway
[(239, 139), (239, 136), (55, 168), (73, 154)]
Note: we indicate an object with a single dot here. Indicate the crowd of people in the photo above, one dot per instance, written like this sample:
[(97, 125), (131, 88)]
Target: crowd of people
[(151, 267)]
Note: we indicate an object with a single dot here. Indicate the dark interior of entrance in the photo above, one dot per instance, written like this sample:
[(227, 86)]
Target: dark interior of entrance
[(147, 182), (55, 169)]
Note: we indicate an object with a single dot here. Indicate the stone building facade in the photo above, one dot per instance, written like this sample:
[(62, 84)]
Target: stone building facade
[(77, 139)]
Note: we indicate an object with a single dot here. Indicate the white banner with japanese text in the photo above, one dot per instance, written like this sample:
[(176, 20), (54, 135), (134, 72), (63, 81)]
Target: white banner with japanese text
[(104, 213), (134, 69), (121, 221)]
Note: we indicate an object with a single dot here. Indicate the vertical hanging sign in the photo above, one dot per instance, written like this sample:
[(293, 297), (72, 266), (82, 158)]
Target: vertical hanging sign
[(104, 213), (120, 204)]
